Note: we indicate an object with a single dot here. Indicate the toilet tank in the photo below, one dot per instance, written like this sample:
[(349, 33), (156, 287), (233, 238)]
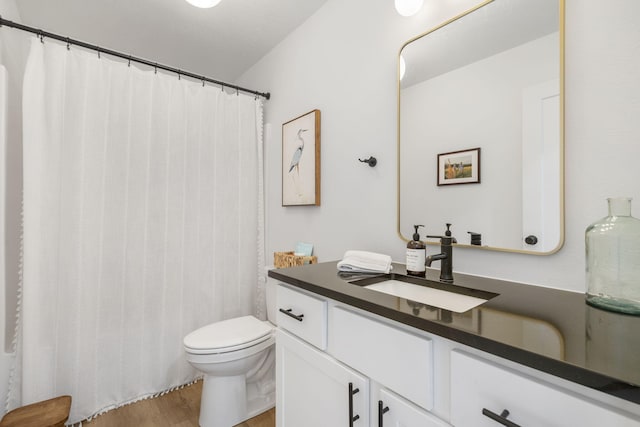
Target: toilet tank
[(270, 291)]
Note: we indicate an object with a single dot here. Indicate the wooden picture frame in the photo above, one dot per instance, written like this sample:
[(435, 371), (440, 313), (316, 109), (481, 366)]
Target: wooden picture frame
[(459, 167), (301, 160)]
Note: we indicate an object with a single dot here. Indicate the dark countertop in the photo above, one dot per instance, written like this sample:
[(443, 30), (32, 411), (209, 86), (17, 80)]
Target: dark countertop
[(547, 329)]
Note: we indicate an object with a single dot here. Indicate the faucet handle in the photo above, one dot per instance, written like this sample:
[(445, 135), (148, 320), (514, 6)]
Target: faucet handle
[(442, 239), (447, 235)]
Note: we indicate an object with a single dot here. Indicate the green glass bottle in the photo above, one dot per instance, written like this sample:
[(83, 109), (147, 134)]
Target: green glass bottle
[(613, 260)]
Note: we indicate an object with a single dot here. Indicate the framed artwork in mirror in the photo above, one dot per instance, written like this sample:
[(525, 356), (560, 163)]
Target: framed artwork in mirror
[(301, 160), (459, 167)]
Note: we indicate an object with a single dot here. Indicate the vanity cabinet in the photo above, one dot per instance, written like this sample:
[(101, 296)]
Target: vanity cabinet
[(414, 367), (340, 366), (371, 374), (486, 394)]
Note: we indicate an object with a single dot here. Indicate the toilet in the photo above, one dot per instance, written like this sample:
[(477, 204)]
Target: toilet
[(237, 358)]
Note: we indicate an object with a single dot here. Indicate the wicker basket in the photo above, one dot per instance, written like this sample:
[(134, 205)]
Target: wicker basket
[(288, 259)]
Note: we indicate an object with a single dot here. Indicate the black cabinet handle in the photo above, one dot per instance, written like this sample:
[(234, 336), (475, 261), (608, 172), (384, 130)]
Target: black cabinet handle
[(381, 411), (288, 312), (502, 418), (352, 417)]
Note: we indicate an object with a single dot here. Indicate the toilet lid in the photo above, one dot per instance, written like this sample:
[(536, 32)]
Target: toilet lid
[(237, 332)]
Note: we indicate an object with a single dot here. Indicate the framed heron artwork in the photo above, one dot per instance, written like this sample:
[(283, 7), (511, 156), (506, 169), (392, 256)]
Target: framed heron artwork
[(301, 160)]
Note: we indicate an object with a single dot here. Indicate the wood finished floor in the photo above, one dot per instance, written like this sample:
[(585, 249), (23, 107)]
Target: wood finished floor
[(180, 408)]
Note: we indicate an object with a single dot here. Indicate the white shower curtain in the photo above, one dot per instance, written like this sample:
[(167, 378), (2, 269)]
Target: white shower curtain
[(142, 205)]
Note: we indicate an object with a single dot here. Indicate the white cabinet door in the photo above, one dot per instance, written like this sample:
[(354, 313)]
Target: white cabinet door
[(314, 390), (484, 394), (394, 411)]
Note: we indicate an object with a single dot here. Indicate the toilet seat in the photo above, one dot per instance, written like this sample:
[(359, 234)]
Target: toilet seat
[(228, 336)]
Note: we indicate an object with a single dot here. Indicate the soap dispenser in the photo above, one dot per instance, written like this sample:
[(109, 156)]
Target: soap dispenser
[(416, 254)]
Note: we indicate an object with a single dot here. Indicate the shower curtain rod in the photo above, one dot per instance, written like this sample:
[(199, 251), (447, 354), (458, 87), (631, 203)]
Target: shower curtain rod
[(42, 34)]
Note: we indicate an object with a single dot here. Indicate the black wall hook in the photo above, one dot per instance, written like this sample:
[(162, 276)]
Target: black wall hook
[(371, 161)]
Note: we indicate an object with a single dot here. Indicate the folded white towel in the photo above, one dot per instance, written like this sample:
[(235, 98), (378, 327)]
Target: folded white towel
[(365, 262)]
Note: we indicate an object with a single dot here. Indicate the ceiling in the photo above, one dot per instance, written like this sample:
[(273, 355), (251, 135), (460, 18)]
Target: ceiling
[(220, 43), (492, 29)]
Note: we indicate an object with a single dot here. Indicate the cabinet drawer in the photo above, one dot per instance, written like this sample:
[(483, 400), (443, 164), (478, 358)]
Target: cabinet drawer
[(392, 410), (478, 385), (401, 361), (302, 315)]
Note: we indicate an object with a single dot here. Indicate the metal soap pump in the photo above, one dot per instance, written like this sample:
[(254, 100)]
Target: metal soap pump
[(416, 255)]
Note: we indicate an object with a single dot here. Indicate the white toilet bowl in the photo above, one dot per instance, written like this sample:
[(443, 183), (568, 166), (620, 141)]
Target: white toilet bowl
[(237, 358)]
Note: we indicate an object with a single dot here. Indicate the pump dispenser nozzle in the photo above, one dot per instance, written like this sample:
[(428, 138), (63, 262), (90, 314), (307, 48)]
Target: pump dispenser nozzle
[(448, 233), (416, 235)]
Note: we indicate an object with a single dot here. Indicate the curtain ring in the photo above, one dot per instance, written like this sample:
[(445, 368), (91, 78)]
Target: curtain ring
[(129, 63), (237, 92), (155, 68), (203, 82), (98, 53), (41, 36), (179, 76), (68, 44)]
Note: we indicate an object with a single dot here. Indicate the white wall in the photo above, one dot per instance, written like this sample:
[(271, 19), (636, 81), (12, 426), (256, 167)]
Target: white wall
[(343, 62)]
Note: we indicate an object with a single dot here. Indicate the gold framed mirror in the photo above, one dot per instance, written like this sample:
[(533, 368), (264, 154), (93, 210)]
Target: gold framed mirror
[(490, 79)]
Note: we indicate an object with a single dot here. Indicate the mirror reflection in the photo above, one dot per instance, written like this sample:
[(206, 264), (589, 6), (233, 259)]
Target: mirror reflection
[(525, 332), (480, 128)]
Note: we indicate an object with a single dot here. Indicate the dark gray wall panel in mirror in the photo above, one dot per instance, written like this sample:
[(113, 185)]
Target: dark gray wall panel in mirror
[(491, 78)]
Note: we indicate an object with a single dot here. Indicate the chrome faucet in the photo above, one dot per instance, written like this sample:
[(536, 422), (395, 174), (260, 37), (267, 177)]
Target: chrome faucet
[(445, 256)]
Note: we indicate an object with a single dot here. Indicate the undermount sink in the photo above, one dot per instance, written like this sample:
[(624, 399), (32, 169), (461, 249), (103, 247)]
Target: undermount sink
[(445, 296)]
